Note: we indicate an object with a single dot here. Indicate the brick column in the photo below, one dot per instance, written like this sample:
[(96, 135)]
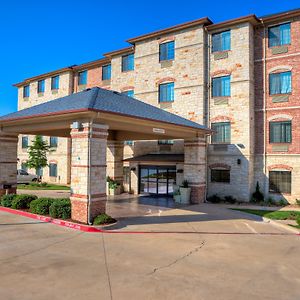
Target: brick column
[(88, 174), (115, 155), (195, 167), (8, 162)]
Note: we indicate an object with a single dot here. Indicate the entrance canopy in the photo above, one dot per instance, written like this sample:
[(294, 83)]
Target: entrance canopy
[(127, 118)]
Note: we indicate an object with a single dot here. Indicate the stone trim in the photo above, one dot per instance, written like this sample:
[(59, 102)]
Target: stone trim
[(279, 69), (86, 166), (85, 197), (166, 39), (221, 119), (220, 73), (127, 88), (280, 166), (280, 117), (220, 166), (53, 161), (165, 80)]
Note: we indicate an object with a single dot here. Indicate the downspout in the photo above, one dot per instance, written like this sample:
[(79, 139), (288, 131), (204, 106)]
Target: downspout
[(265, 107), (207, 106), (89, 173)]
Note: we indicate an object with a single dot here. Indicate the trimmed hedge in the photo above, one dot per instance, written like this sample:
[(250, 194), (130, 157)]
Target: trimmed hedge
[(41, 206), (22, 201), (103, 219), (6, 200), (61, 209), (298, 221)]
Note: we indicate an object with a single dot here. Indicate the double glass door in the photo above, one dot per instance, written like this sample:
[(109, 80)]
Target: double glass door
[(157, 180)]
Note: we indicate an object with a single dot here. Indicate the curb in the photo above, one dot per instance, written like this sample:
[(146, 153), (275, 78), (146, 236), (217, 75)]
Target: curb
[(283, 226)]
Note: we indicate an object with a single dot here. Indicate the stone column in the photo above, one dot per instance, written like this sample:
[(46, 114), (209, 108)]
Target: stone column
[(88, 171), (195, 167), (115, 155), (8, 163)]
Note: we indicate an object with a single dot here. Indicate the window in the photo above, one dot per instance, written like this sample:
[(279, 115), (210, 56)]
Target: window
[(165, 142), (55, 82), (280, 83), (24, 168), (126, 174), (41, 86), (53, 170), (128, 62), (106, 72), (221, 86), (223, 132), (39, 172), (281, 132), (280, 181), (220, 176), (128, 143), (129, 93), (221, 41), (166, 92), (166, 51), (24, 142), (26, 91), (82, 78), (280, 35), (53, 142)]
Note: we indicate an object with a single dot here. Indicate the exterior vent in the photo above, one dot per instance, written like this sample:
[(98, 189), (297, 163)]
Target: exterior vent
[(220, 101), (220, 147), (220, 55), (280, 98), (280, 49), (280, 148)]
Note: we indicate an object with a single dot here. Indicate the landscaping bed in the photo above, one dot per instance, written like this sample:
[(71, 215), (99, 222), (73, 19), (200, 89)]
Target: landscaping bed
[(42, 186)]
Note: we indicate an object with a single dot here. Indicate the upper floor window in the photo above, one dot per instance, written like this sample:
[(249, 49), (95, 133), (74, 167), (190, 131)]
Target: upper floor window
[(55, 82), (165, 142), (280, 83), (24, 142), (221, 86), (26, 91), (221, 41), (52, 170), (53, 142), (129, 93), (280, 181), (128, 62), (167, 51), (106, 72), (41, 86), (166, 92), (280, 35), (128, 143), (219, 175), (281, 132), (222, 132), (82, 78)]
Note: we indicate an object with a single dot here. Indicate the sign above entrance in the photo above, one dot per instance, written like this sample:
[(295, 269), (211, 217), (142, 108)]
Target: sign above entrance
[(159, 130)]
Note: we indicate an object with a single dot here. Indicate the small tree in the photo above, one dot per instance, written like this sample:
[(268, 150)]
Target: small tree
[(38, 154), (257, 196)]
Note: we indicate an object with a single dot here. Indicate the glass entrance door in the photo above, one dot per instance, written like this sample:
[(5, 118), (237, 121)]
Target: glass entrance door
[(157, 180)]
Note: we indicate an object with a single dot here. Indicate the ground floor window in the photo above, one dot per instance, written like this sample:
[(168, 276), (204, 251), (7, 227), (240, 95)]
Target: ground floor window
[(24, 167), (280, 182), (39, 172), (126, 174), (220, 175), (53, 170)]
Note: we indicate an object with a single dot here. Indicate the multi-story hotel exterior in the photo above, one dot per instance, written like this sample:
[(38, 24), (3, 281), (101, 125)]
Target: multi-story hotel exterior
[(239, 77)]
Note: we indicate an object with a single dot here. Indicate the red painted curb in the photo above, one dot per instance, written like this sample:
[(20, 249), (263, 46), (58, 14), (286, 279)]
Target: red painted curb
[(25, 214)]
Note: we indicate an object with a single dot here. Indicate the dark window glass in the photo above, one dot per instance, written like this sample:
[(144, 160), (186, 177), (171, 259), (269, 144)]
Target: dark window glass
[(220, 175), (26, 91), (128, 62), (106, 72), (55, 82), (280, 35), (24, 142), (82, 78), (166, 92), (221, 41), (53, 142), (41, 86), (222, 132), (53, 170), (221, 86), (280, 83), (167, 51), (280, 181), (24, 169), (165, 142), (281, 132), (129, 93)]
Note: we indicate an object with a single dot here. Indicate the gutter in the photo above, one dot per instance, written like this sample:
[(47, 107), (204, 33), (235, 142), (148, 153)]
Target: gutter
[(89, 173)]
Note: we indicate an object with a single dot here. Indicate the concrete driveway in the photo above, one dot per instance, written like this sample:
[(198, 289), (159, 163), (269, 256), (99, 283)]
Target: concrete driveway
[(215, 254)]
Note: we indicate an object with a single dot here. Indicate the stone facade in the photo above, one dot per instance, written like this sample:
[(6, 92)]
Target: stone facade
[(249, 155)]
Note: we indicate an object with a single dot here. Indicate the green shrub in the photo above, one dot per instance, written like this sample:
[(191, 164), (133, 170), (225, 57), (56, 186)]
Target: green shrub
[(41, 206), (103, 219), (230, 199), (214, 199), (22, 201), (6, 200), (60, 209), (257, 196), (298, 202), (298, 221)]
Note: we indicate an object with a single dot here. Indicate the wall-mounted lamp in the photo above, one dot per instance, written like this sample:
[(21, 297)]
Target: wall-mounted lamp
[(239, 161)]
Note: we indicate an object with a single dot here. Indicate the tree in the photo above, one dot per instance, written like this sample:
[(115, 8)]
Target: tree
[(38, 154)]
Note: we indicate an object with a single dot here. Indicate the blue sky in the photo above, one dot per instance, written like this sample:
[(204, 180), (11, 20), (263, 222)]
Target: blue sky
[(41, 36)]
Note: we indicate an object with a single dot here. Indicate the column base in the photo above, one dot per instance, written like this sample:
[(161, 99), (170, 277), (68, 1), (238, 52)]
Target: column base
[(12, 190), (79, 209), (198, 194)]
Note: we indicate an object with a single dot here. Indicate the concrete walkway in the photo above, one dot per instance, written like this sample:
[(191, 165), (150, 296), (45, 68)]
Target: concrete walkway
[(226, 255)]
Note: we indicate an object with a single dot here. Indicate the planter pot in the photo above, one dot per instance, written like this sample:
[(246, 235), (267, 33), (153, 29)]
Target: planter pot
[(185, 195), (177, 198), (116, 191)]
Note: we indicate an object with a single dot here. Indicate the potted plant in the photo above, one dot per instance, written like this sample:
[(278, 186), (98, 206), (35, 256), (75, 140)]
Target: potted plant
[(185, 192), (114, 187), (176, 196)]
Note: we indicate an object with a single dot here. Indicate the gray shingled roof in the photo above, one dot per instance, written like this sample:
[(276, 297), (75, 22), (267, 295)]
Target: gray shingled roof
[(98, 99)]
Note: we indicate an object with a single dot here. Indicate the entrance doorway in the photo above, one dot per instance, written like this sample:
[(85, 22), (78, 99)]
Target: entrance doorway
[(157, 180)]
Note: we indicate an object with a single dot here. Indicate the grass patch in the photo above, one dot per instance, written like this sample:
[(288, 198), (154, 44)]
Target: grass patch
[(274, 215), (42, 186)]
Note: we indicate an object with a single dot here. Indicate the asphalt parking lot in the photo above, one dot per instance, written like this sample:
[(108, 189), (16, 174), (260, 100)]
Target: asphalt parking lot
[(212, 253)]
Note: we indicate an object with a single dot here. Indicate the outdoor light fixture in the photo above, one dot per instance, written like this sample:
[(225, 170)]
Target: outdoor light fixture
[(239, 161)]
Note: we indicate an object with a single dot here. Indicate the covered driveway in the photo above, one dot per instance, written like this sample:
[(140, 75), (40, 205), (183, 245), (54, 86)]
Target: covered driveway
[(94, 120)]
